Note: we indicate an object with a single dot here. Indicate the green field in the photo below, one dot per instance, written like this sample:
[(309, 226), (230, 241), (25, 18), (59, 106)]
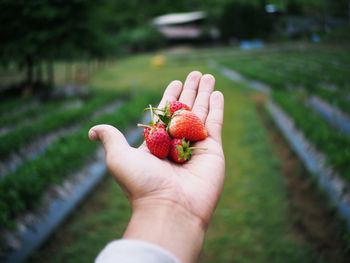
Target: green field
[(283, 67), (253, 221), (295, 74)]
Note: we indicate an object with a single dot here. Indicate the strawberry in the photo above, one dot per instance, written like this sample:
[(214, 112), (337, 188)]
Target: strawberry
[(180, 151), (147, 129), (185, 124), (157, 140), (173, 106), (146, 132), (168, 110)]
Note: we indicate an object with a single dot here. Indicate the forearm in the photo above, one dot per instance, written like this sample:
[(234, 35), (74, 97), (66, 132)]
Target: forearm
[(169, 226)]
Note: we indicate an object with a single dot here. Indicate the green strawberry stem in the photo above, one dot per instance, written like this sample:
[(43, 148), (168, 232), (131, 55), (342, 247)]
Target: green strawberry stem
[(161, 117), (143, 126), (152, 113), (155, 109), (198, 148)]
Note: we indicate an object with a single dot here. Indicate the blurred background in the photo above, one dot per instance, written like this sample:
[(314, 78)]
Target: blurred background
[(283, 66)]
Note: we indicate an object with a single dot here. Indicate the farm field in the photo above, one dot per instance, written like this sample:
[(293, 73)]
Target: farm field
[(296, 75), (257, 219), (283, 68)]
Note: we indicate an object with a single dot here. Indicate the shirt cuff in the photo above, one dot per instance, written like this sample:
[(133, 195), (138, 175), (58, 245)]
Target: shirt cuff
[(134, 251)]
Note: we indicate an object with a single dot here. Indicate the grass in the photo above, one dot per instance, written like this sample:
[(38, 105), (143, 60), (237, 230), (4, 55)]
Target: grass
[(251, 223), (316, 69), (136, 74)]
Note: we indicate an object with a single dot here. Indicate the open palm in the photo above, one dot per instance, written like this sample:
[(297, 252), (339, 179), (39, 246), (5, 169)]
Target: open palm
[(195, 185)]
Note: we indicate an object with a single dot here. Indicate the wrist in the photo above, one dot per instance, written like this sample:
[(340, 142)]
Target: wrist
[(168, 225)]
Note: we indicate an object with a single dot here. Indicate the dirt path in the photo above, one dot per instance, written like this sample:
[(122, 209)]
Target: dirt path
[(314, 222)]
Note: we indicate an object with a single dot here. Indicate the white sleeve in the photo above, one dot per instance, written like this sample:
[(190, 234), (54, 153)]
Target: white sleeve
[(134, 251)]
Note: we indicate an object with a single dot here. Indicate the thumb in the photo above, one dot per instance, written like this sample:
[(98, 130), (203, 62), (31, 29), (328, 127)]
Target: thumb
[(112, 139), (117, 150)]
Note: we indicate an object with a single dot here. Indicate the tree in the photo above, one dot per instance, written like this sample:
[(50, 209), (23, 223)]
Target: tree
[(41, 31), (244, 21), (294, 8)]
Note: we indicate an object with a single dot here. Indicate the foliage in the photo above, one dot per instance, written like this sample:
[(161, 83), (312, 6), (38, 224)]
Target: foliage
[(286, 72), (294, 7), (33, 28), (140, 39), (244, 21), (338, 36), (37, 110), (326, 67), (10, 105), (23, 134), (40, 31), (335, 145), (326, 76), (24, 188)]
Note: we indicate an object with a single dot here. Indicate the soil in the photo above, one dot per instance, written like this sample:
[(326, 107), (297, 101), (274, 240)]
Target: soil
[(313, 220)]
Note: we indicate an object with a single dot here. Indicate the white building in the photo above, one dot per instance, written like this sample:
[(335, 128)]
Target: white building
[(180, 25)]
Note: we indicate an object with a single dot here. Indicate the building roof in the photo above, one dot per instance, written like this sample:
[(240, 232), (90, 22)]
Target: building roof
[(178, 18)]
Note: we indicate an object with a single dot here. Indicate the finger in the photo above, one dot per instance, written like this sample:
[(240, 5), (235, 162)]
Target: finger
[(117, 150), (171, 93), (216, 114), (189, 91), (143, 146), (201, 104), (113, 141)]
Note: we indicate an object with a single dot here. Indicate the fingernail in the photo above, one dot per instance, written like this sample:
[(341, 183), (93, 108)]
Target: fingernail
[(92, 135)]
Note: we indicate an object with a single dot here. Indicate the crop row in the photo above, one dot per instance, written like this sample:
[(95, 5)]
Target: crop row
[(283, 70), (335, 145), (23, 189), (300, 72), (10, 105), (25, 133), (38, 109), (336, 98), (307, 59)]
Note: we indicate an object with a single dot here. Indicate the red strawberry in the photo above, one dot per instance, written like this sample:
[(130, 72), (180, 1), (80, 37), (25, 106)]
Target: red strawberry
[(157, 140), (185, 124), (168, 110), (147, 128), (180, 151), (173, 106)]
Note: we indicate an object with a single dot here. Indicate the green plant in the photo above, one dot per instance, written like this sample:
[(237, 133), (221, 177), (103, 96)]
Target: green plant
[(140, 39), (23, 134), (23, 189), (312, 69), (334, 145), (38, 110)]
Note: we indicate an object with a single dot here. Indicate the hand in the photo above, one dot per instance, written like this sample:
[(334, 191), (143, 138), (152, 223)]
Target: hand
[(184, 195)]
